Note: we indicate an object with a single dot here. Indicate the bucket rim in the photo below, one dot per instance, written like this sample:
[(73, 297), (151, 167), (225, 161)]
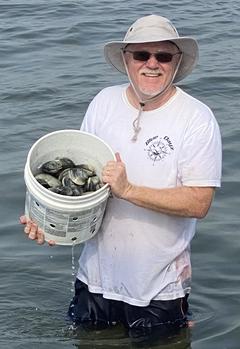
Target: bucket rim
[(70, 131)]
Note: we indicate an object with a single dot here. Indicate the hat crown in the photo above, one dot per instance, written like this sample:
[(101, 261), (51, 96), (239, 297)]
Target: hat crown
[(151, 28)]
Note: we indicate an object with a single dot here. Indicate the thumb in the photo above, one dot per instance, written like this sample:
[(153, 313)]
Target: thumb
[(118, 157)]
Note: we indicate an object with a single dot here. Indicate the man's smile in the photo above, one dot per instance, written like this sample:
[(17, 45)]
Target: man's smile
[(151, 74)]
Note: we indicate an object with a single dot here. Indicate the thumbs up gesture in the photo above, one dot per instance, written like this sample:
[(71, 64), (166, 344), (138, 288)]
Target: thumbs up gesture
[(114, 173)]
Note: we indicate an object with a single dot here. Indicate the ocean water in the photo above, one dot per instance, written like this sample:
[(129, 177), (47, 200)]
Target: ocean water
[(51, 65)]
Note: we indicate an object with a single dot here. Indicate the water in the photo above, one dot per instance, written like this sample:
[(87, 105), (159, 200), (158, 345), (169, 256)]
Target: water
[(51, 66)]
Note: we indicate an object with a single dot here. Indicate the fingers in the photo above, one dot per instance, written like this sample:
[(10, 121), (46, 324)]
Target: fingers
[(112, 170), (113, 164), (23, 219), (40, 237), (51, 243), (113, 167), (114, 173), (32, 230)]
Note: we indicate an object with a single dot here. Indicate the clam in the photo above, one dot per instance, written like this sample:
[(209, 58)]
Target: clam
[(62, 190), (63, 177), (47, 180), (78, 175), (77, 191), (67, 182), (66, 163), (67, 191), (89, 169), (57, 165), (92, 183), (63, 174), (72, 176), (52, 166)]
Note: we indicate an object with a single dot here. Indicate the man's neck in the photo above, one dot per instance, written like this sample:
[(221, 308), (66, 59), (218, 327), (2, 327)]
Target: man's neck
[(150, 104)]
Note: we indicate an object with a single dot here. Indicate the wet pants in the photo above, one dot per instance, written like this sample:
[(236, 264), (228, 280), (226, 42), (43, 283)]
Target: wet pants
[(92, 310)]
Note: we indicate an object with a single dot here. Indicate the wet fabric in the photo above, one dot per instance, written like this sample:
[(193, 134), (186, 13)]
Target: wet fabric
[(94, 311)]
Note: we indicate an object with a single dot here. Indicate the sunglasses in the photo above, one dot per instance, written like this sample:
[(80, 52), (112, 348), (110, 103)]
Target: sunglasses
[(161, 57)]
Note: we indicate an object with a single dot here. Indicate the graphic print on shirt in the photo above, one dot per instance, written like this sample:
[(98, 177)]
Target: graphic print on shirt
[(158, 148)]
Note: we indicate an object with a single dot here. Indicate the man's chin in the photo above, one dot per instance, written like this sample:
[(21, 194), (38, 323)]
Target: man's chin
[(145, 95)]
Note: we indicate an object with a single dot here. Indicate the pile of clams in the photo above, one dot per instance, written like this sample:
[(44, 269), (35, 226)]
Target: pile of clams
[(63, 177)]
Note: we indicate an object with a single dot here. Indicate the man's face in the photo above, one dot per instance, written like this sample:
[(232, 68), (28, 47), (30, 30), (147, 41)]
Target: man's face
[(151, 77)]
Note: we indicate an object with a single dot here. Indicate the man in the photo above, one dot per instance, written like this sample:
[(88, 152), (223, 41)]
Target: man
[(137, 269)]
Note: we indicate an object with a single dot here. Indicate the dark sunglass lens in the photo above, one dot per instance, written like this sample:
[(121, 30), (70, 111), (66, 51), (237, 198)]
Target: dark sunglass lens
[(141, 55), (164, 57)]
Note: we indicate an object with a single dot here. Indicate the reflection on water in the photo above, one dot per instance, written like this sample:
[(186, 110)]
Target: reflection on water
[(116, 337)]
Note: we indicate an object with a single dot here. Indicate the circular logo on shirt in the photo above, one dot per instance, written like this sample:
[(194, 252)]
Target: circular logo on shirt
[(158, 148)]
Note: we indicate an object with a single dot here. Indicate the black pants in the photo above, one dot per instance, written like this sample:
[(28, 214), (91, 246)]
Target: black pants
[(92, 310)]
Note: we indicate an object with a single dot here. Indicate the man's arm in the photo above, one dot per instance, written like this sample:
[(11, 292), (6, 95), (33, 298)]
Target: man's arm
[(180, 201)]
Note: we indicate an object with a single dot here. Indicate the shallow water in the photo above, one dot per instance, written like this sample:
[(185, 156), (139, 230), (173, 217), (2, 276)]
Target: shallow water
[(51, 66)]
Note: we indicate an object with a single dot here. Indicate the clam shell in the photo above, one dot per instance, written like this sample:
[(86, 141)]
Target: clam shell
[(51, 167), (47, 180)]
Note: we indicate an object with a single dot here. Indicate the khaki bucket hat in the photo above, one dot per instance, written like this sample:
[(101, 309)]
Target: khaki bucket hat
[(154, 28)]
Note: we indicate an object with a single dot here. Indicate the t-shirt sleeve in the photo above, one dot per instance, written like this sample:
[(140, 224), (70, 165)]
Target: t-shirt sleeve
[(200, 161)]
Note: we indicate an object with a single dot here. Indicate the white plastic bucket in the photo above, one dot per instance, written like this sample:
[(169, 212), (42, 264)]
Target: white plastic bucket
[(66, 219)]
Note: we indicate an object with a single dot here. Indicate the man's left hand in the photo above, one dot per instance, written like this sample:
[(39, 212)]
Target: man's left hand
[(114, 173)]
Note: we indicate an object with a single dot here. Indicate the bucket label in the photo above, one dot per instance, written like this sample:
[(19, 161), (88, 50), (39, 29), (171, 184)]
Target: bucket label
[(36, 211), (81, 225)]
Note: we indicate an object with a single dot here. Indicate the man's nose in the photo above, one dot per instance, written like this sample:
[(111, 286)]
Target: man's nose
[(152, 61)]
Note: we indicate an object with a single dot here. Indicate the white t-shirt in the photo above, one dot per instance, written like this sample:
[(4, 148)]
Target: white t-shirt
[(139, 254)]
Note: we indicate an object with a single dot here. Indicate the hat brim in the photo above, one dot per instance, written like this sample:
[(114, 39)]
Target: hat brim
[(188, 46)]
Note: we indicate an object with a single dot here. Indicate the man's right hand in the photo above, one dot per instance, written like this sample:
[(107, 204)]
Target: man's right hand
[(33, 232)]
